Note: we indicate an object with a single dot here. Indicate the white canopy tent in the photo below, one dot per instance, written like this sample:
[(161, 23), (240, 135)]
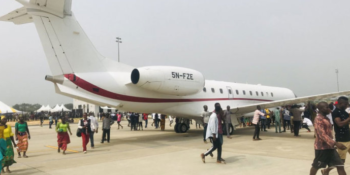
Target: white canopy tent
[(44, 108), (59, 108), (7, 109)]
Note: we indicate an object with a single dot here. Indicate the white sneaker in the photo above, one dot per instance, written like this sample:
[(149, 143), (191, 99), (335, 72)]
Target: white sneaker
[(84, 152)]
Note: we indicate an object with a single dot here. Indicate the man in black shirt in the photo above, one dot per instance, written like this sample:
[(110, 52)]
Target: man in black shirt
[(341, 122)]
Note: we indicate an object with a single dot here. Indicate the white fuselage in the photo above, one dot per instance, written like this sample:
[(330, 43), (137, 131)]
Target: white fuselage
[(116, 86)]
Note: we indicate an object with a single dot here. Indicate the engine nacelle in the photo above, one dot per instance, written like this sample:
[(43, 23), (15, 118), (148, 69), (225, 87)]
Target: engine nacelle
[(168, 80)]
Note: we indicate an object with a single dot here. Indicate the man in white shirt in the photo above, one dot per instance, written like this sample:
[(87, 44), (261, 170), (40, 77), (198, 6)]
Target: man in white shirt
[(94, 129), (206, 116), (213, 134), (228, 122)]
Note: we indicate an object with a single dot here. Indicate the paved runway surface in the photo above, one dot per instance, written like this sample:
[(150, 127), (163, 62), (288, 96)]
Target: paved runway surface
[(165, 152)]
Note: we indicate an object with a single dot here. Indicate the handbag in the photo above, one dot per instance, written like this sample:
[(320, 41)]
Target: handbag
[(78, 132)]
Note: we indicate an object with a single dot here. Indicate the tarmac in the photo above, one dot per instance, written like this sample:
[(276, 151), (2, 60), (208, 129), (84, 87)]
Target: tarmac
[(152, 151)]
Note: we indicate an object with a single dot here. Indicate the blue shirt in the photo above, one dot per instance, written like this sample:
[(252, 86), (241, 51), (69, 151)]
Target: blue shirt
[(263, 117)]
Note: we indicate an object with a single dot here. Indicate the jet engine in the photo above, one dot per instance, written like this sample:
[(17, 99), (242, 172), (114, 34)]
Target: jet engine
[(168, 80)]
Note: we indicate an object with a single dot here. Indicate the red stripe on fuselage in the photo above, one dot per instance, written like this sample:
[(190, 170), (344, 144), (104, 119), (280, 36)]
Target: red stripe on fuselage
[(102, 92)]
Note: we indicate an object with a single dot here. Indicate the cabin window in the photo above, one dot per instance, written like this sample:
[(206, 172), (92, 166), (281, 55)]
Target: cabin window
[(271, 94), (243, 92), (257, 93), (204, 89), (229, 91), (251, 93), (213, 90), (237, 92), (221, 91), (267, 94), (262, 94)]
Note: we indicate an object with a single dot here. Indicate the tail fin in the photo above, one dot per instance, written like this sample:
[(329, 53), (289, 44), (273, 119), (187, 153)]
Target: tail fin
[(67, 47)]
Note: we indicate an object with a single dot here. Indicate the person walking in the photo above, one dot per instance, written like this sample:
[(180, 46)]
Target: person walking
[(214, 133), (306, 123), (50, 121), (94, 130), (297, 111), (341, 128), (228, 122), (22, 136), (277, 115), (63, 139), (205, 118), (255, 122), (41, 117), (107, 122), (325, 154), (8, 158), (119, 119), (86, 127)]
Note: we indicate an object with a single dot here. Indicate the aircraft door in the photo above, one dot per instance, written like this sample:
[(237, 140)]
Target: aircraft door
[(229, 92)]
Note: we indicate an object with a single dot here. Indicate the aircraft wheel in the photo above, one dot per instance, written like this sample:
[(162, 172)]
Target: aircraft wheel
[(183, 128), (176, 127)]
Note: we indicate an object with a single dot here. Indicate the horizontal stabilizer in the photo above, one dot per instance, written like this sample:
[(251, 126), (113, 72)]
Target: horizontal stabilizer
[(87, 97)]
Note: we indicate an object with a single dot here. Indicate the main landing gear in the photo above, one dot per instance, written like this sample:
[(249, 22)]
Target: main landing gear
[(182, 125)]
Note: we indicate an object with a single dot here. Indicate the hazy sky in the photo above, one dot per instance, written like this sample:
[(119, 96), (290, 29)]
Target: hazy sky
[(295, 44)]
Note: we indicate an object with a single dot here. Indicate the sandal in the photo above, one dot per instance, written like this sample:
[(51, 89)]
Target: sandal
[(25, 156), (203, 157), (221, 161)]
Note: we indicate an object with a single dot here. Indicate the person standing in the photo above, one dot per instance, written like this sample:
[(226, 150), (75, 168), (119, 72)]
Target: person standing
[(325, 154), (94, 130), (145, 117), (255, 122), (277, 115), (214, 132), (41, 117), (228, 122), (297, 111), (341, 127), (8, 159), (22, 135), (86, 127), (140, 118), (154, 119), (286, 119), (205, 116), (63, 139), (107, 122), (268, 118), (263, 120)]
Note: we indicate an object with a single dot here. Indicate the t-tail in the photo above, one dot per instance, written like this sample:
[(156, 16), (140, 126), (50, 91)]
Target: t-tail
[(66, 45)]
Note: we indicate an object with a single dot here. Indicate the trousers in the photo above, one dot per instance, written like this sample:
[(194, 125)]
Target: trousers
[(85, 138), (257, 131), (106, 132), (217, 145), (278, 125)]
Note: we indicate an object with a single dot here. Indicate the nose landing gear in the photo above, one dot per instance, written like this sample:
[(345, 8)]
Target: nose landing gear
[(182, 125)]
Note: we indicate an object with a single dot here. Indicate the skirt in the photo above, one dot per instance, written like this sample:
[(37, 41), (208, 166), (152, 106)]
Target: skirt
[(22, 145), (63, 140), (8, 159)]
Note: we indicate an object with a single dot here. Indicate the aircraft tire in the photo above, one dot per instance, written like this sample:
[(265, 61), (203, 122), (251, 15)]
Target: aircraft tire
[(183, 128), (176, 127)]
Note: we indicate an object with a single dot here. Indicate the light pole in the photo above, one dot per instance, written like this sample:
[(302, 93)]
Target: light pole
[(337, 71), (119, 40)]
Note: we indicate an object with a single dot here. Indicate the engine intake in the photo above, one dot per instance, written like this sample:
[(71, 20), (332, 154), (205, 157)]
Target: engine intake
[(168, 80)]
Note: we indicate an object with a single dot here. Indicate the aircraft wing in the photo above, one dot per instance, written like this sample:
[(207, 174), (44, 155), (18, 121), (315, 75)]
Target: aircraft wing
[(252, 108)]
